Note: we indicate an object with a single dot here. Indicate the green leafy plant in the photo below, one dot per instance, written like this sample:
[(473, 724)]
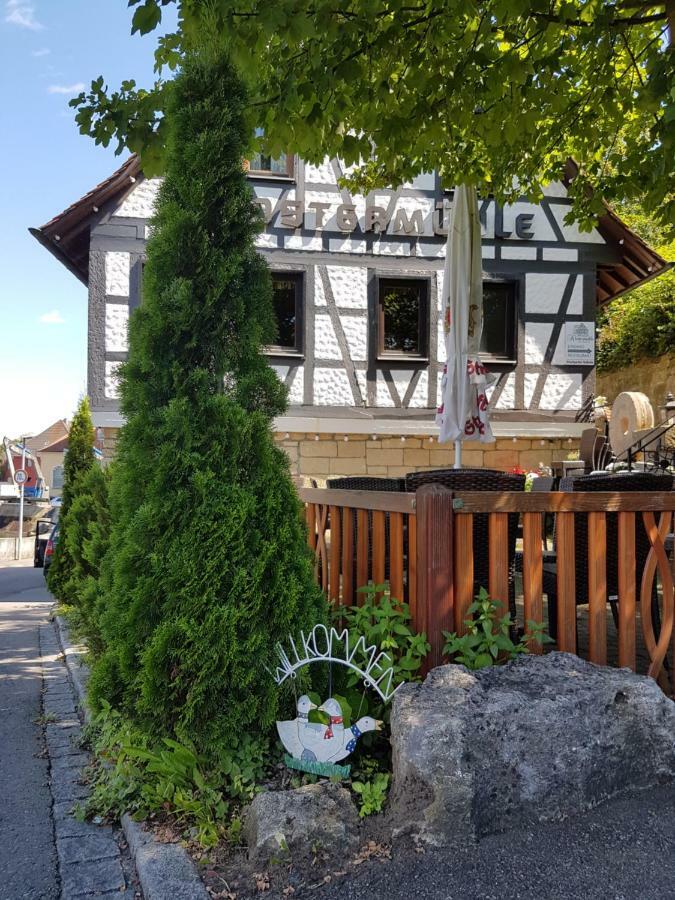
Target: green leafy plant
[(372, 794), (488, 636), (384, 622), (499, 94), (133, 775)]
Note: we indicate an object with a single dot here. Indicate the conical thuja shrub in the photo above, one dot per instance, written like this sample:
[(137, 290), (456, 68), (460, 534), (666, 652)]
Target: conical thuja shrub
[(79, 460), (208, 565)]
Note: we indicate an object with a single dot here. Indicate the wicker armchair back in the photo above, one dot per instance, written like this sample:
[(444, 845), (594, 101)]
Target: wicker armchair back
[(479, 480), (368, 483), (630, 481)]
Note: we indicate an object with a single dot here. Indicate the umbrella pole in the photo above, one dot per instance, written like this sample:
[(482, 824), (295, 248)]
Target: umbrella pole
[(458, 455)]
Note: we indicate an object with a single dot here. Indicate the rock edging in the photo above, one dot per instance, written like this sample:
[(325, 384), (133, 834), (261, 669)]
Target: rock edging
[(165, 871)]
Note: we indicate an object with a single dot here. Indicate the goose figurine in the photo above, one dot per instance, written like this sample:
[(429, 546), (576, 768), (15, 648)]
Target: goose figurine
[(335, 727), (289, 731), (350, 737)]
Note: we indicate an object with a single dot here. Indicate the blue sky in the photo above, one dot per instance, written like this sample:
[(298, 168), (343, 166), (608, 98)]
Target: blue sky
[(49, 50)]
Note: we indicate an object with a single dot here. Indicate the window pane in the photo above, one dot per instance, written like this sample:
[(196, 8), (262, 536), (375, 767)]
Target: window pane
[(261, 163), (498, 318), (401, 306), (285, 307)]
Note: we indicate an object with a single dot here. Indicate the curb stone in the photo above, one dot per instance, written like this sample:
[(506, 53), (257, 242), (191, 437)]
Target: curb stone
[(165, 871)]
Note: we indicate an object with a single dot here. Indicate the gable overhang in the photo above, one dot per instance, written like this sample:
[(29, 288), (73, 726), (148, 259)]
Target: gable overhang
[(636, 263), (66, 236)]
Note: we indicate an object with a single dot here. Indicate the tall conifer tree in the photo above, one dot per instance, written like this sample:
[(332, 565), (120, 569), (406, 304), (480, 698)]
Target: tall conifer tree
[(79, 459), (208, 564)]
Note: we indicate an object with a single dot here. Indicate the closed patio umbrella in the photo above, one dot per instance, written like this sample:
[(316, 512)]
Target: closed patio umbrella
[(463, 410)]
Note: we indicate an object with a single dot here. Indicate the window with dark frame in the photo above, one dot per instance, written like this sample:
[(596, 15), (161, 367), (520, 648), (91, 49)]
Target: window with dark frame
[(287, 292), (498, 341), (403, 316), (276, 167)]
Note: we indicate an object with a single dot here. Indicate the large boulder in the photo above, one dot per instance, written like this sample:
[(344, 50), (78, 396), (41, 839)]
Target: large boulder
[(279, 822), (537, 739)]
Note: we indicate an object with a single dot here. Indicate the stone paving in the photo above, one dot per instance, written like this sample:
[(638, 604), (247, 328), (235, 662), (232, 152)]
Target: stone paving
[(89, 860)]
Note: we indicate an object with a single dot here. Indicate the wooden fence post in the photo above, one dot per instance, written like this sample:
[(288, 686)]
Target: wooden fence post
[(435, 568)]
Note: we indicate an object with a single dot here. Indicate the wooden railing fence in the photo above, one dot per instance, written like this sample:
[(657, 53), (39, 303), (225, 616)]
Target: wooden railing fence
[(423, 545)]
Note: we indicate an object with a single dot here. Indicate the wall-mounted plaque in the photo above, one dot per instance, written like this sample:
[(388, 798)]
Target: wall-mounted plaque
[(579, 344)]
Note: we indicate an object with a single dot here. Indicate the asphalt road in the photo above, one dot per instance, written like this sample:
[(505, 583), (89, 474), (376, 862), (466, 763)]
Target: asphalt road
[(28, 866), (623, 850)]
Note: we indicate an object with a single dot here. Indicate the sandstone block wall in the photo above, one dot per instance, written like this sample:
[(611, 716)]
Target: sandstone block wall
[(326, 456)]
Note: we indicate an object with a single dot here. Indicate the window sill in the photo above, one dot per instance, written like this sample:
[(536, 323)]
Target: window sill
[(497, 360), (271, 176), (402, 358), (283, 353)]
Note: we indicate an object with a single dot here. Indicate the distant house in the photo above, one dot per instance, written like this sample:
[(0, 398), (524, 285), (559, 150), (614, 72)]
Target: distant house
[(50, 447), (357, 285)]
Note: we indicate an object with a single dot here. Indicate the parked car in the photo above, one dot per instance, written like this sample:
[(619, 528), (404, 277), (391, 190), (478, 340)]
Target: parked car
[(43, 529), (51, 546)]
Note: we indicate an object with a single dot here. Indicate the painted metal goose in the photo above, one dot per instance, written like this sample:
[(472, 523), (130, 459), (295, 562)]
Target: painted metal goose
[(290, 730)]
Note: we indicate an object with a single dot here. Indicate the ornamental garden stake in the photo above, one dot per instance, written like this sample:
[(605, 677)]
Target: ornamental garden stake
[(318, 746)]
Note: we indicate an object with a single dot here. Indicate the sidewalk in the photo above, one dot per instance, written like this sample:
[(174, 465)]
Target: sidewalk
[(45, 853)]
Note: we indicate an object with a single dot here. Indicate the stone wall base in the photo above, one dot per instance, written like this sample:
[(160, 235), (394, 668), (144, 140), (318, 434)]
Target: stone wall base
[(330, 455)]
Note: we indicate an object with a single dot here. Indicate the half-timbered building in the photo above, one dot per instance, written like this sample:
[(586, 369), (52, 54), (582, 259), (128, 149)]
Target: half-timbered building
[(357, 286)]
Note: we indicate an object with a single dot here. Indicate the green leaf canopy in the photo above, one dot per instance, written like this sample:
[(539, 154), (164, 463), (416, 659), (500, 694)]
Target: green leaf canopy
[(497, 93)]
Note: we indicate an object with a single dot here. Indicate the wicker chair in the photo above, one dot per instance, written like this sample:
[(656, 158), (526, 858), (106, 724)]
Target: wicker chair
[(479, 480), (368, 483), (629, 481)]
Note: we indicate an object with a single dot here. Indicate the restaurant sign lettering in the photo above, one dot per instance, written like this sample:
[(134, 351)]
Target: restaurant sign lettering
[(319, 216)]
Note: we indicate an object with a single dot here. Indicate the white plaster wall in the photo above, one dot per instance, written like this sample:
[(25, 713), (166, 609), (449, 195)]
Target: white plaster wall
[(331, 388), (111, 384), (117, 274), (356, 334), (391, 248), (555, 189), (140, 203), (421, 392), (298, 242), (319, 293), (382, 395), (537, 336), (349, 285), (530, 384), (347, 245), (296, 390), (321, 174), (116, 323), (540, 225), (325, 341), (560, 254), (266, 240), (544, 293), (572, 232), (507, 399), (518, 252), (562, 391)]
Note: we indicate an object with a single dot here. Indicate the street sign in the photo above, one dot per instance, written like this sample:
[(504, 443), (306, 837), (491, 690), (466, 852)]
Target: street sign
[(20, 476)]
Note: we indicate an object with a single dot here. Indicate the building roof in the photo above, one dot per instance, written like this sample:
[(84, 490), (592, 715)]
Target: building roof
[(637, 263), (57, 447), (67, 236), (56, 432)]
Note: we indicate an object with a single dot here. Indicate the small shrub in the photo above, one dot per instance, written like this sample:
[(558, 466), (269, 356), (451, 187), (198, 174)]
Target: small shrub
[(488, 638), (372, 794)]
